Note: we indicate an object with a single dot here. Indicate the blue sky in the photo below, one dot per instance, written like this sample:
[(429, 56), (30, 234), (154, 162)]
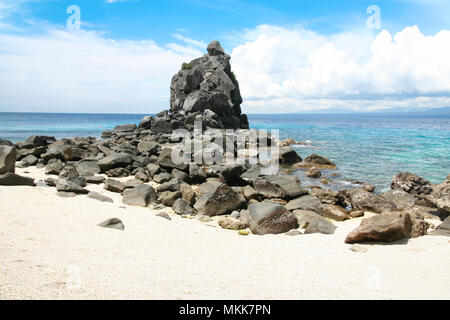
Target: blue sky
[(128, 51)]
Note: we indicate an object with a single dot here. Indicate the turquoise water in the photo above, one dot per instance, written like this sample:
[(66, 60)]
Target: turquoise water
[(366, 147)]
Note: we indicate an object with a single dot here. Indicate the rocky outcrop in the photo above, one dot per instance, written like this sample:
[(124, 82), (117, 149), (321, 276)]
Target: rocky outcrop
[(270, 218), (411, 183)]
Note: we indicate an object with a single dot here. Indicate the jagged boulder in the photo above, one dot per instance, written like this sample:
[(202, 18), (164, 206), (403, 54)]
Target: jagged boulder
[(221, 199), (411, 183), (270, 218)]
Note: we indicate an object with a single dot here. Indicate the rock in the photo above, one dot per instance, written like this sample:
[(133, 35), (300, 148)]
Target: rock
[(411, 183), (356, 213), (79, 181), (329, 196), (385, 227), (232, 224), (153, 169), (165, 161), (180, 175), (182, 208), (113, 223), (12, 179), (319, 160), (366, 201), (308, 202), (72, 153), (6, 143), (196, 174), (114, 186), (115, 160), (270, 218), (63, 194), (221, 199), (51, 182), (167, 198), (95, 179), (313, 222), (87, 168), (146, 123), (251, 194), (149, 147), (54, 166), (64, 185), (8, 157), (187, 193), (232, 173), (141, 175), (284, 187), (162, 177), (402, 199), (443, 229), (288, 156), (99, 197), (164, 215), (369, 188), (132, 183), (214, 49), (293, 232), (68, 172), (140, 196), (171, 185), (126, 127), (118, 173), (335, 212), (28, 161), (205, 89), (313, 173), (38, 141)]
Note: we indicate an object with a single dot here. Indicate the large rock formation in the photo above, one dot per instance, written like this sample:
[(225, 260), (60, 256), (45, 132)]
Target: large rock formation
[(205, 90)]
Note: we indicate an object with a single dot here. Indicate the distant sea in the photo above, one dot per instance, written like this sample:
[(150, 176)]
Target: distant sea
[(366, 147)]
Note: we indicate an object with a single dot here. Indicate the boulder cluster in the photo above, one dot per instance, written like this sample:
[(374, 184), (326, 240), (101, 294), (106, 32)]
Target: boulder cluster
[(242, 194)]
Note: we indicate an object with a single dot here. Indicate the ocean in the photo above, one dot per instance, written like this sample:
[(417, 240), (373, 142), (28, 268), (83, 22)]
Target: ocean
[(366, 147)]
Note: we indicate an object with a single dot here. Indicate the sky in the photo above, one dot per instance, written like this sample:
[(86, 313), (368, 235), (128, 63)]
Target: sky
[(288, 56)]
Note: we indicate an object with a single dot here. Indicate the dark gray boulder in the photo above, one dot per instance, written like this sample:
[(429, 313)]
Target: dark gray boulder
[(54, 166), (140, 196), (319, 160), (115, 160), (182, 208), (162, 177), (220, 200), (282, 186), (68, 172), (38, 141), (28, 161), (12, 179), (402, 199), (270, 218), (167, 198), (8, 157), (165, 161), (307, 202), (65, 185), (87, 168), (288, 156)]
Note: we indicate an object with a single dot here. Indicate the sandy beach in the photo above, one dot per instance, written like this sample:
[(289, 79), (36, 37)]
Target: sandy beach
[(52, 248)]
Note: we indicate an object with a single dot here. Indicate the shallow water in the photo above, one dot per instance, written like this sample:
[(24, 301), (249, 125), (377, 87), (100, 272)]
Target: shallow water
[(365, 147)]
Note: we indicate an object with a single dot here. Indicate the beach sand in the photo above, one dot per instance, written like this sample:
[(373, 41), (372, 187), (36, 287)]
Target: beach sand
[(52, 248)]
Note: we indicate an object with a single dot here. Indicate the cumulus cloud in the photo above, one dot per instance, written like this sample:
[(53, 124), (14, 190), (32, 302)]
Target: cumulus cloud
[(296, 69), (62, 71)]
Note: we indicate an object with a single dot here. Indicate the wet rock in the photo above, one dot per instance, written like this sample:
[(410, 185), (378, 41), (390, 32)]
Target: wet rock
[(366, 201), (8, 157), (288, 156), (12, 179), (313, 173), (99, 197), (284, 187), (140, 196), (308, 202), (221, 199), (411, 183), (114, 186), (113, 223), (270, 218)]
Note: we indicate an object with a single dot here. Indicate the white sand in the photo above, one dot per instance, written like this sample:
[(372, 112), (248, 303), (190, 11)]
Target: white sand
[(50, 248)]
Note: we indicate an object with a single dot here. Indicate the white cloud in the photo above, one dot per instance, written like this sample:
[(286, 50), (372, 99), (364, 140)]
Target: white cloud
[(84, 72), (296, 69)]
